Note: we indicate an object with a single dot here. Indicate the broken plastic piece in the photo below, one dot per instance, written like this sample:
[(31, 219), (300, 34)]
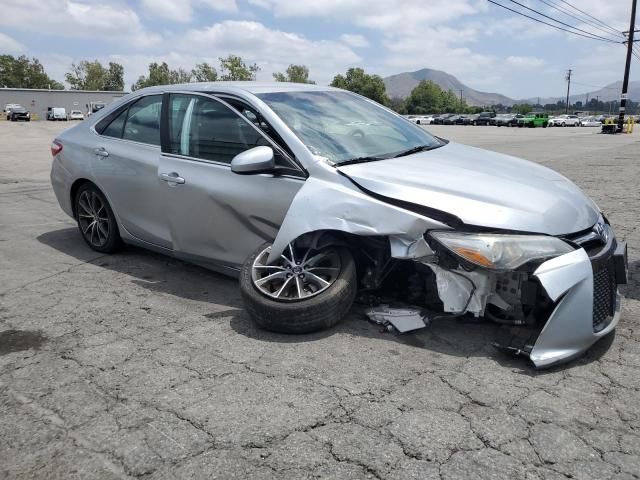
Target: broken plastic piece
[(402, 319)]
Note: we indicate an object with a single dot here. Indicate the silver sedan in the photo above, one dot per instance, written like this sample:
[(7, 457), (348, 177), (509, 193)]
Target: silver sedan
[(312, 195)]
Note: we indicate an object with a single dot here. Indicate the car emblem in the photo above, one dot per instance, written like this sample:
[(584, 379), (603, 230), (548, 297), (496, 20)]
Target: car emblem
[(601, 231)]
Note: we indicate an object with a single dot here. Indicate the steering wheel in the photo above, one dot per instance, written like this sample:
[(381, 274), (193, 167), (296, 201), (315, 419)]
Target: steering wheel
[(356, 133)]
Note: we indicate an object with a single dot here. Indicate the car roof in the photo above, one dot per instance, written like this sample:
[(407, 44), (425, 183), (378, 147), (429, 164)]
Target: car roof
[(234, 87)]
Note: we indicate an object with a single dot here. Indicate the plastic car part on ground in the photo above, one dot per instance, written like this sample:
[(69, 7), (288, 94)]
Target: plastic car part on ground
[(402, 319)]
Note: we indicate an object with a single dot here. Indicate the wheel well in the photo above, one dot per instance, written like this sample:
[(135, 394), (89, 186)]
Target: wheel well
[(367, 251), (74, 189)]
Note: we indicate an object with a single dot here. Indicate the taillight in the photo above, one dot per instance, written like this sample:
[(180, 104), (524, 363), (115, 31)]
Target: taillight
[(56, 148)]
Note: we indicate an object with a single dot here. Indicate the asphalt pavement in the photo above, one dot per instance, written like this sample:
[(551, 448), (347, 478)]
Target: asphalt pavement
[(136, 365)]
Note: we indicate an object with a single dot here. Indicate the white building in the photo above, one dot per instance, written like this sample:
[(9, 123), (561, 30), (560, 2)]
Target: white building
[(37, 101)]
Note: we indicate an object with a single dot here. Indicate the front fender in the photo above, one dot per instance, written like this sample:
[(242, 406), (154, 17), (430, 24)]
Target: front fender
[(336, 204)]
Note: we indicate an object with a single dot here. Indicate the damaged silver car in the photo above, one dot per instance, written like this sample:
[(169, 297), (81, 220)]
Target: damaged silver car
[(313, 195)]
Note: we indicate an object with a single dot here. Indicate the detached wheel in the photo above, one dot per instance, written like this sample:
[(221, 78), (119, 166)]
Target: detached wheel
[(305, 291), (96, 220)]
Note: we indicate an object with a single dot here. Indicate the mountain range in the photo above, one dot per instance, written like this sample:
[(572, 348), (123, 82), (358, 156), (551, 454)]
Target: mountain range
[(401, 84)]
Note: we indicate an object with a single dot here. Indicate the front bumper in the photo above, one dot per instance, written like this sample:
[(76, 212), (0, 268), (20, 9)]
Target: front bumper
[(586, 300)]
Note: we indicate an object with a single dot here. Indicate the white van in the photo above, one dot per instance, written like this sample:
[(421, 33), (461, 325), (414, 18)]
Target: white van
[(57, 113)]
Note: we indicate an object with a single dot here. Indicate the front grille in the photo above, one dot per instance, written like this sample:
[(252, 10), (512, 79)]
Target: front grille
[(604, 296)]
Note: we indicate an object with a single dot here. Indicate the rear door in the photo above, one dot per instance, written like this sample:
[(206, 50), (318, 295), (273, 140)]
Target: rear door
[(127, 157), (213, 214)]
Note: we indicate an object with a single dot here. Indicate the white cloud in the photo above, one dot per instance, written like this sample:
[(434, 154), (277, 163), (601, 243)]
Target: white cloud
[(273, 50), (10, 45), (182, 10), (524, 62), (354, 40), (113, 22)]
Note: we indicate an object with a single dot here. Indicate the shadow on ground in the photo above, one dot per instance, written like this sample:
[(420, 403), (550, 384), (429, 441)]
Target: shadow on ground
[(164, 274)]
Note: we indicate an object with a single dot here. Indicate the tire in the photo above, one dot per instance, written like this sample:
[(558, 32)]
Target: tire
[(319, 312), (475, 124), (418, 122), (103, 240), (545, 125)]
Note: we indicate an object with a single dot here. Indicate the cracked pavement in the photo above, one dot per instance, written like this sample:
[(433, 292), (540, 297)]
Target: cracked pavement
[(139, 365)]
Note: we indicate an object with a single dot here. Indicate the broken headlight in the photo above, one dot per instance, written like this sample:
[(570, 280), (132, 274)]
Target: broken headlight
[(501, 252)]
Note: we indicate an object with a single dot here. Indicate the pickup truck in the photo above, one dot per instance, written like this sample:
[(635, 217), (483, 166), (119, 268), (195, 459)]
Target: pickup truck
[(534, 119)]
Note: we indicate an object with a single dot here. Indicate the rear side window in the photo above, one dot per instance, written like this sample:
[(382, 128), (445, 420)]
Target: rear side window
[(139, 121)]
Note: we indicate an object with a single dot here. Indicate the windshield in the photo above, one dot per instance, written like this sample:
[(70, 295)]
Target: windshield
[(341, 126)]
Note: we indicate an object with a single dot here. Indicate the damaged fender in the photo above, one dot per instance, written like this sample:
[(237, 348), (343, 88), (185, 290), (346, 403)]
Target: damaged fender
[(336, 204)]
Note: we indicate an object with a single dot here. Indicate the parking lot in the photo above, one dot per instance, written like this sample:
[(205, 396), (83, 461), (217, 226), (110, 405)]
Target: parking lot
[(139, 365)]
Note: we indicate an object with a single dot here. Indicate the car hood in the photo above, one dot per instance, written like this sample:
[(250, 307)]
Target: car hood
[(481, 188)]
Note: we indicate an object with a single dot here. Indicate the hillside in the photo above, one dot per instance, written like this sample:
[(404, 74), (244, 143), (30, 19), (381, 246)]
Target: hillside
[(606, 94), (401, 84)]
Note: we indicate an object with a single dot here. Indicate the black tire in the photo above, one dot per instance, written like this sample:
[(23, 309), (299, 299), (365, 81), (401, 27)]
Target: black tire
[(320, 312), (113, 240), (545, 125), (475, 124)]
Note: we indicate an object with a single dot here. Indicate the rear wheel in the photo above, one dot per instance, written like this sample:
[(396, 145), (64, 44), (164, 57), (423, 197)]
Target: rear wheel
[(96, 220), (304, 291)]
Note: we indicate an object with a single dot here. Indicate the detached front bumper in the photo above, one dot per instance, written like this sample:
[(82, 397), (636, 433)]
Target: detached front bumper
[(584, 289)]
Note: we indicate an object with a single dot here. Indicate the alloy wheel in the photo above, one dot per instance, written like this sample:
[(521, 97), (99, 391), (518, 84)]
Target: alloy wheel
[(298, 274), (93, 218)]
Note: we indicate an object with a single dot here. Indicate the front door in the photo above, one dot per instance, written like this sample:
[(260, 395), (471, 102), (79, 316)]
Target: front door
[(214, 214)]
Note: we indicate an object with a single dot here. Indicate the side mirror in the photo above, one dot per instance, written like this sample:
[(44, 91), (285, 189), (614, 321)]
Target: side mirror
[(255, 160)]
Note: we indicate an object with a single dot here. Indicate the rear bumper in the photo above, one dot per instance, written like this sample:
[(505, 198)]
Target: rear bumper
[(587, 303)]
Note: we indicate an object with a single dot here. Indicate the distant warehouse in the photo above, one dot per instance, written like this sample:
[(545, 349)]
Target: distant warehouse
[(38, 101)]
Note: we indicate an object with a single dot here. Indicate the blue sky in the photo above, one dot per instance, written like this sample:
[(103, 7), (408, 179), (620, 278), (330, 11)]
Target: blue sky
[(483, 45)]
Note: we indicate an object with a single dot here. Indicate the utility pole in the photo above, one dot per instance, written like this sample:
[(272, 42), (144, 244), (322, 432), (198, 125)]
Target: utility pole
[(568, 79), (627, 66), (461, 97)]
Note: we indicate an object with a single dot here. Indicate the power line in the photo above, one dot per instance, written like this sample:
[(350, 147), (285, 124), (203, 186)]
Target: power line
[(580, 19), (546, 23), (563, 23), (588, 15)]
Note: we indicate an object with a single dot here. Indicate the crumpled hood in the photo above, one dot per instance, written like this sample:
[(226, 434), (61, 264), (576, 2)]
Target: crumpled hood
[(481, 188)]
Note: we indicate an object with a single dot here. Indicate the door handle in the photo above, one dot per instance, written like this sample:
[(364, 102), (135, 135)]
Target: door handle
[(101, 152), (172, 177)]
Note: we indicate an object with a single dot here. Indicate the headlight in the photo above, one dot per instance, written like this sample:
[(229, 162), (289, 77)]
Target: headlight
[(501, 252)]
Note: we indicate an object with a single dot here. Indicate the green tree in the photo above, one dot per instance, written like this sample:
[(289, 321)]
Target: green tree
[(522, 108), (295, 74), (233, 68), (20, 72), (86, 76), (203, 72), (426, 97), (161, 74), (398, 105), (94, 76), (114, 78), (356, 80)]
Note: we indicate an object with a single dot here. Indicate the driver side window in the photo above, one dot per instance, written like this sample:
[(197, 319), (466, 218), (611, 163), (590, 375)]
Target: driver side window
[(204, 128)]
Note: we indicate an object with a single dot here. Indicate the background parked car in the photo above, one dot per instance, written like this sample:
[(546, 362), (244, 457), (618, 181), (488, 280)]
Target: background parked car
[(591, 122), (57, 113), (534, 119), (8, 107), (76, 115), (565, 121), (484, 118), (421, 119), (19, 113), (506, 120), (439, 120)]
